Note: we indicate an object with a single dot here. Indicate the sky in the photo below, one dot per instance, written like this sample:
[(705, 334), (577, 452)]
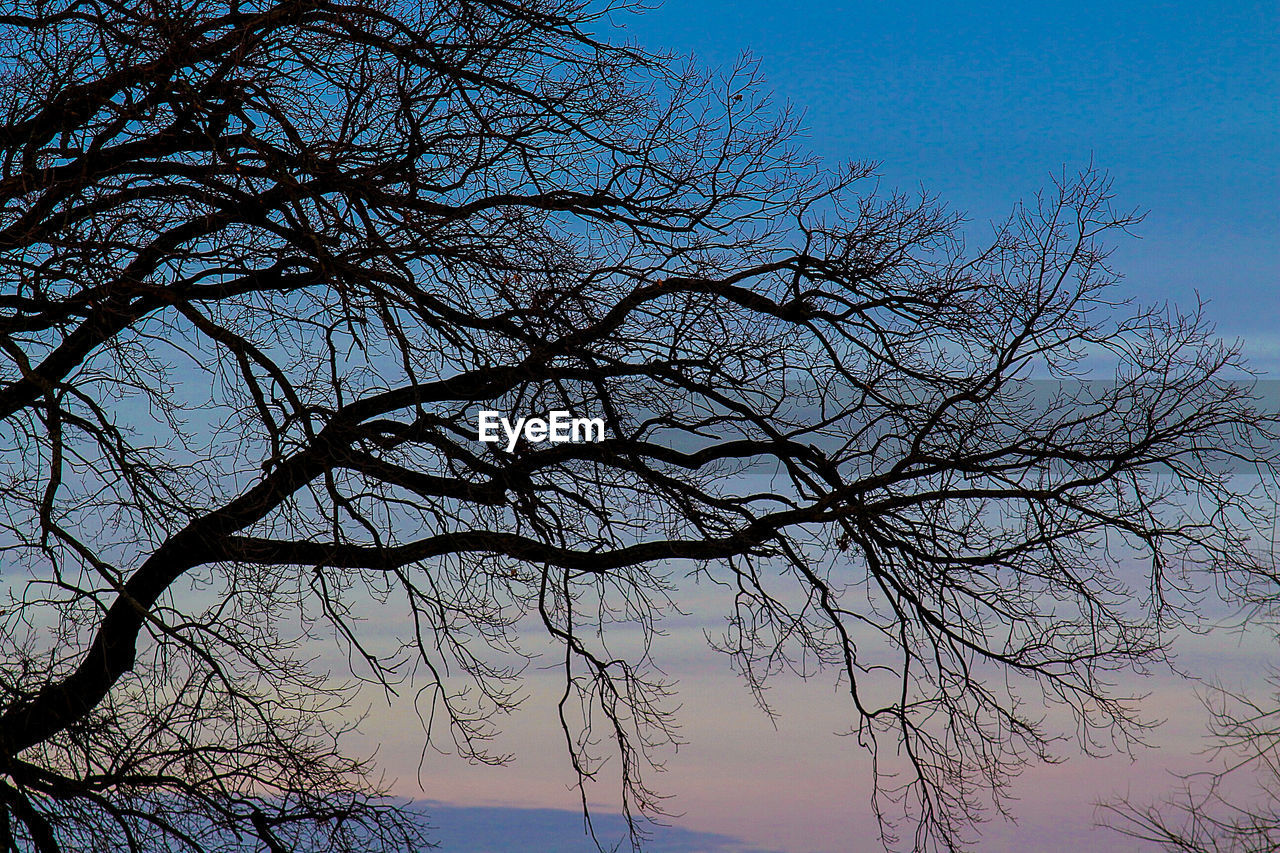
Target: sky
[(742, 783), (979, 103)]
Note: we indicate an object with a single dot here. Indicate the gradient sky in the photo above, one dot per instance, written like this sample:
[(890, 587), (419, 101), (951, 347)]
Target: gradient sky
[(978, 103)]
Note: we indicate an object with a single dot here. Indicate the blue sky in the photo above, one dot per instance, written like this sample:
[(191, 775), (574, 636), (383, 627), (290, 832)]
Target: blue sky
[(979, 103)]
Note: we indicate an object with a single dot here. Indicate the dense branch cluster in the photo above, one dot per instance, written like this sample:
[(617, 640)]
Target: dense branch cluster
[(262, 263)]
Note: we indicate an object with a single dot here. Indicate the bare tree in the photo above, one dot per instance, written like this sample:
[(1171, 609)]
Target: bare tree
[(1234, 809), (263, 264)]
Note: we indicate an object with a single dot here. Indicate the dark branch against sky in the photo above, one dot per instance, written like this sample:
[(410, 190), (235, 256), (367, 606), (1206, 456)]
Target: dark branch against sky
[(265, 264)]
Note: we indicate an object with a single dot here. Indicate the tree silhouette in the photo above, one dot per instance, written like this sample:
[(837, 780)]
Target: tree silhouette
[(264, 262)]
